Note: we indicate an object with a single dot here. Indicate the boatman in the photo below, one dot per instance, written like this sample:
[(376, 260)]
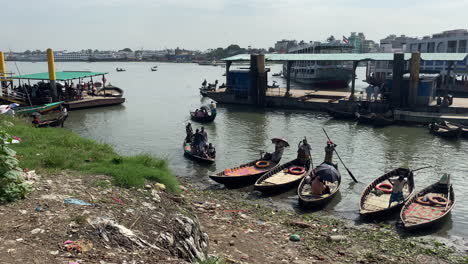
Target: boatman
[(303, 152), (204, 83), (189, 131), (213, 108), (329, 152), (397, 190)]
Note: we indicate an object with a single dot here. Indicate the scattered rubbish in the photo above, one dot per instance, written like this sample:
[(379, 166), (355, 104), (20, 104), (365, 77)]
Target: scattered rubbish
[(336, 238), (78, 246), (295, 237), (75, 201), (37, 231), (117, 200), (56, 252), (160, 186), (23, 212), (156, 196), (231, 243), (30, 175), (301, 224), (67, 242), (39, 209)]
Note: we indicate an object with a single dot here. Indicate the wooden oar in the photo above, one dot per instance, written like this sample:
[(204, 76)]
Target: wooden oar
[(349, 172)]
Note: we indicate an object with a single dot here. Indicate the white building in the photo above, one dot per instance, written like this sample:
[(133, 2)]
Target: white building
[(451, 41)]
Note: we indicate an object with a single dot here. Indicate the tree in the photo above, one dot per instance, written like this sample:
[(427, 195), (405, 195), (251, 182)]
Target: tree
[(89, 51), (127, 50), (271, 50), (331, 38), (27, 52), (96, 51)]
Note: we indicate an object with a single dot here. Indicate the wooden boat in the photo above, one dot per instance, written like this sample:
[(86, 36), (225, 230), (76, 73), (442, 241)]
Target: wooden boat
[(210, 117), (418, 214), (280, 179), (188, 154), (52, 122), (444, 131), (154, 68), (120, 69), (276, 74), (451, 125), (308, 200), (374, 203), (110, 91), (376, 120), (340, 114), (27, 110), (244, 174)]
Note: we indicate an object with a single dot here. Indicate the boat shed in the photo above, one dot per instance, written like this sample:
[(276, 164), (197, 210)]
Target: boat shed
[(398, 59), (60, 76)]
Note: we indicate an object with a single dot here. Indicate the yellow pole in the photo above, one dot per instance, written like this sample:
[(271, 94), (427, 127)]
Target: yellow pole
[(2, 65), (52, 76)]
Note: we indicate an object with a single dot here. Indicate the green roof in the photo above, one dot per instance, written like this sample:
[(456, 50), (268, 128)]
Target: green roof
[(350, 57), (61, 76)]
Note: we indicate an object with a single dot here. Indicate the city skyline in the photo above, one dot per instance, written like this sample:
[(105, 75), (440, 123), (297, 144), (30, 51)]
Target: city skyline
[(156, 25)]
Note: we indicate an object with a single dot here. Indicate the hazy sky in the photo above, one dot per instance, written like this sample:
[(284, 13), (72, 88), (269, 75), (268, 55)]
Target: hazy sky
[(203, 24)]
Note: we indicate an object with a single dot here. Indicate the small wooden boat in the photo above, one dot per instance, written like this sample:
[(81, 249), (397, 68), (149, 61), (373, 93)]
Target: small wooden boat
[(27, 110), (451, 125), (377, 120), (375, 202), (340, 114), (444, 131), (309, 200), (417, 213), (245, 174), (282, 178), (52, 122), (276, 74), (110, 91), (120, 69), (209, 117), (154, 68), (188, 154)]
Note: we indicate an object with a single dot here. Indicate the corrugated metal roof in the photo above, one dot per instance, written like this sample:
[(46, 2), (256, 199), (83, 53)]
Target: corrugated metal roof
[(351, 57), (60, 76)]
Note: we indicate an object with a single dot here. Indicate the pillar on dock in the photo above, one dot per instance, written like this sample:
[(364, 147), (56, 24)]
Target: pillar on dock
[(288, 78), (52, 76), (2, 71), (258, 78), (228, 66), (397, 80), (353, 81), (414, 78)]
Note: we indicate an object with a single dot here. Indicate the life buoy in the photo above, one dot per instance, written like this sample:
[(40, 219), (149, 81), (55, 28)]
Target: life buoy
[(420, 200), (262, 164), (296, 170), (384, 187), (438, 200)]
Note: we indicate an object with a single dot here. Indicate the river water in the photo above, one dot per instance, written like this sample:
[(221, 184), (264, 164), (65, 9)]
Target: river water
[(157, 108)]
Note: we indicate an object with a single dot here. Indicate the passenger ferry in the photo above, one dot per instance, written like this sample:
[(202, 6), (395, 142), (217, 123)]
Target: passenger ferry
[(321, 73)]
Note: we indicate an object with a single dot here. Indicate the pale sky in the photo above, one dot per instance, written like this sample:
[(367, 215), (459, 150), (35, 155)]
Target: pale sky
[(202, 24)]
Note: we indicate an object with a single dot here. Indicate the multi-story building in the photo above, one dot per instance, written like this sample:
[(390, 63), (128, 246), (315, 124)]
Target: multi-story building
[(70, 56), (451, 41), (282, 46)]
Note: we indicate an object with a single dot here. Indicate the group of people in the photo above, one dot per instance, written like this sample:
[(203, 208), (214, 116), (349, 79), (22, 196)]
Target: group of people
[(209, 86), (318, 184), (203, 111), (199, 142), (373, 92)]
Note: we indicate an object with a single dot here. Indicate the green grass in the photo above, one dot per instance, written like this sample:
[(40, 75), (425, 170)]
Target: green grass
[(51, 150), (212, 260)]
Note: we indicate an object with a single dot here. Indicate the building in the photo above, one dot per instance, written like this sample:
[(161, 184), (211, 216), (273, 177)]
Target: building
[(451, 41), (70, 56), (284, 45), (393, 43)]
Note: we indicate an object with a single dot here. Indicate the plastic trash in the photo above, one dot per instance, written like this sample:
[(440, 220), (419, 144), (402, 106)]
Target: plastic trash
[(75, 201), (295, 237)]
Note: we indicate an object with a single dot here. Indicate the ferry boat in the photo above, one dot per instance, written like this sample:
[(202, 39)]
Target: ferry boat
[(321, 73)]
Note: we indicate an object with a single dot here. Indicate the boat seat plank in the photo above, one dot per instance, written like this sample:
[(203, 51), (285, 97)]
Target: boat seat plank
[(374, 202), (281, 178), (247, 170)]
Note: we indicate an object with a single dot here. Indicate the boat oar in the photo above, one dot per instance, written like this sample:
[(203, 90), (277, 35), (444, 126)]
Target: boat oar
[(349, 172), (422, 168)]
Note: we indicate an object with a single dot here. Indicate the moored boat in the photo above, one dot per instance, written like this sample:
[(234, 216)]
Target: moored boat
[(430, 206), (154, 68), (190, 155), (451, 125), (374, 201), (283, 177), (444, 131), (55, 122), (308, 199), (337, 114), (26, 110), (120, 69), (376, 120), (110, 91)]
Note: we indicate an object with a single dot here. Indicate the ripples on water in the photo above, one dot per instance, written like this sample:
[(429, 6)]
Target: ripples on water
[(152, 121)]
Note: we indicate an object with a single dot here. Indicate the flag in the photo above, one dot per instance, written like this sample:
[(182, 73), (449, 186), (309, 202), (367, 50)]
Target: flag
[(345, 40)]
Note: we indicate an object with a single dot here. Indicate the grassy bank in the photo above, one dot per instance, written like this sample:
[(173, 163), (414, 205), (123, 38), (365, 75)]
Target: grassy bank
[(51, 150)]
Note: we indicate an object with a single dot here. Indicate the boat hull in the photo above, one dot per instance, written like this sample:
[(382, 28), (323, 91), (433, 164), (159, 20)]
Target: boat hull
[(188, 154)]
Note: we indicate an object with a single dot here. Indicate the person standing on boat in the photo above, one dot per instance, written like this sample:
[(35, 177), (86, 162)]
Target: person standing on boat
[(369, 91), (303, 152), (197, 141), (376, 92), (204, 83), (329, 149), (213, 108), (211, 151), (397, 190), (189, 132), (204, 134), (278, 154)]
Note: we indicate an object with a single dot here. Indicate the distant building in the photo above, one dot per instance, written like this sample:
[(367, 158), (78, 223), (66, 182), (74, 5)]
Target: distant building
[(393, 43), (70, 56), (284, 45), (451, 41)]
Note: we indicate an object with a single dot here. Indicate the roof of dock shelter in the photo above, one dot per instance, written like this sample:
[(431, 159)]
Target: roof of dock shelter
[(350, 57), (60, 76)]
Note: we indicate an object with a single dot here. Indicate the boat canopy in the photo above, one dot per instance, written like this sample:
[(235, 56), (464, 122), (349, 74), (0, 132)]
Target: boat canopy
[(350, 57), (60, 76)]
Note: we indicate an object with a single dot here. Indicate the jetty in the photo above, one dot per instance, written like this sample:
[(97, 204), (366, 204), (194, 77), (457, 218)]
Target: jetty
[(407, 90), (77, 89)]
